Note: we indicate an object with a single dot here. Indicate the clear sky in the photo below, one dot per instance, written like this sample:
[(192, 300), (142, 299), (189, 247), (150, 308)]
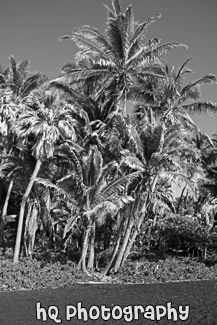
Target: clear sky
[(29, 29)]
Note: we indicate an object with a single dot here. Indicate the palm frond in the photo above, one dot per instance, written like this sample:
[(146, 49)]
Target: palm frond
[(107, 170), (68, 67), (119, 185), (86, 45), (117, 7), (70, 224), (185, 120), (138, 33), (22, 66), (102, 210), (133, 162), (92, 166), (92, 34), (33, 82), (149, 56), (13, 161), (48, 184), (78, 172), (181, 70), (98, 163), (110, 13), (14, 69), (115, 37), (73, 186), (192, 185), (201, 108), (207, 79), (193, 93), (83, 74), (135, 139)]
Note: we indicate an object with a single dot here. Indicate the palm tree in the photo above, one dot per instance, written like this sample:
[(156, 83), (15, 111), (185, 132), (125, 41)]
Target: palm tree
[(157, 158), (15, 169), (116, 57), (43, 124), (92, 112), (97, 197), (19, 80), (15, 84), (170, 99)]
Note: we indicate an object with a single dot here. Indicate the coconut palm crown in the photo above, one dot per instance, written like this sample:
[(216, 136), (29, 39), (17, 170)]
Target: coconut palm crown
[(117, 55)]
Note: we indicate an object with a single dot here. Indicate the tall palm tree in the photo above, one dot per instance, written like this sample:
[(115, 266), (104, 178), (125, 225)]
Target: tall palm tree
[(157, 157), (43, 124), (117, 56), (16, 82)]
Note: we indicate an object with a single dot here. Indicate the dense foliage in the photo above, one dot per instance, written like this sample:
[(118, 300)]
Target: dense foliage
[(82, 177)]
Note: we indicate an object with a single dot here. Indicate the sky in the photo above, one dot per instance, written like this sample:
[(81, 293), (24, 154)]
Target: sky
[(30, 30)]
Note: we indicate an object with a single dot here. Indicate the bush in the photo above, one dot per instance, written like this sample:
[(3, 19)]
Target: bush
[(186, 235)]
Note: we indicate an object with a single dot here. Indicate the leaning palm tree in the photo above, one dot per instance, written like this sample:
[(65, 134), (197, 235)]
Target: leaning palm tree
[(42, 126), (116, 57)]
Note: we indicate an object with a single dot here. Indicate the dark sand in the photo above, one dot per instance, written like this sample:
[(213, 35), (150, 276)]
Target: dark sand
[(19, 307)]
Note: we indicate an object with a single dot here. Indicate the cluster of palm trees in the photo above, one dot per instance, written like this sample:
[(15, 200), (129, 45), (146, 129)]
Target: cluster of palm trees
[(86, 173)]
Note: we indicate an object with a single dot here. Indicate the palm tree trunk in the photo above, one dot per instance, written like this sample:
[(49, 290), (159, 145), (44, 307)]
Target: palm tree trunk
[(82, 262), (90, 263), (115, 250), (31, 226), (109, 266), (5, 207), (28, 213), (133, 238), (141, 219), (124, 245), (122, 101), (22, 210), (4, 211), (180, 199)]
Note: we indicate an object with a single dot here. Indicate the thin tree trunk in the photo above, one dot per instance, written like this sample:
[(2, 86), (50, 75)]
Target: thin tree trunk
[(115, 250), (180, 199), (133, 238), (4, 212), (122, 102), (82, 262), (29, 210), (124, 245), (5, 207), (22, 210), (205, 253), (1, 187), (139, 224), (90, 263), (31, 226)]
